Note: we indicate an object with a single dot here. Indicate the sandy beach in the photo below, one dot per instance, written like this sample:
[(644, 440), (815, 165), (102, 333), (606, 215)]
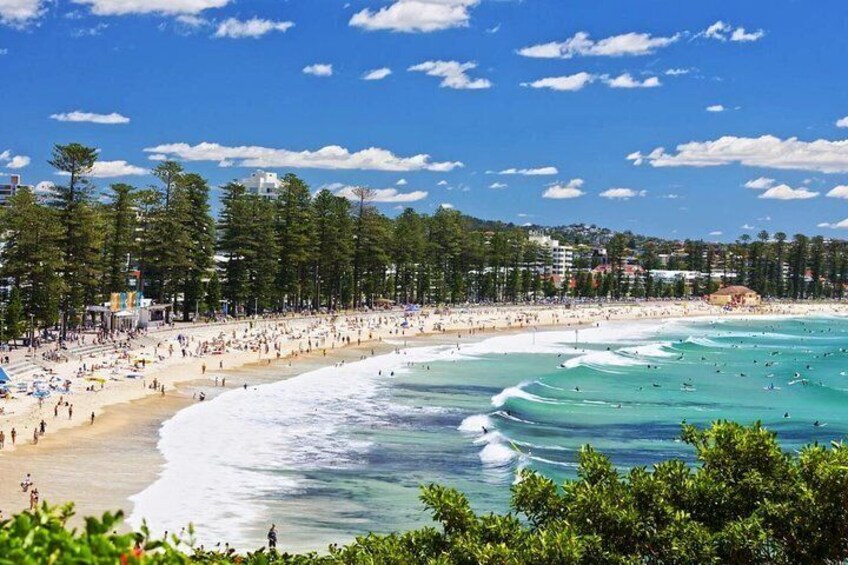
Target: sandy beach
[(100, 465)]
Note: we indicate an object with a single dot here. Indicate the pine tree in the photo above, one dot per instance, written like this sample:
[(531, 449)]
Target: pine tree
[(82, 230), (120, 242), (294, 240)]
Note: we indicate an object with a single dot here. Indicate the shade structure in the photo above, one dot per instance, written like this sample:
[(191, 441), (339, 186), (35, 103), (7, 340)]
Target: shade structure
[(4, 376)]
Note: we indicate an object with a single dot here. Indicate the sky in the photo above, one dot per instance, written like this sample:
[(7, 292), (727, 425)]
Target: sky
[(697, 119)]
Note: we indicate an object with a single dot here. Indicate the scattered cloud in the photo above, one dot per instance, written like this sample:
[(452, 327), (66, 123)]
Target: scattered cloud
[(716, 233), (723, 31), (89, 117), (766, 151), (14, 161), (760, 183), (384, 195), (627, 44), (442, 183), (569, 83), (840, 191), (564, 191), (330, 157), (446, 206), (21, 13), (837, 226), (677, 72), (747, 227), (453, 74), (92, 31), (540, 171), (498, 185), (401, 182), (253, 28), (622, 193), (319, 70), (164, 7), (786, 192), (716, 108), (495, 29), (842, 123), (377, 74), (627, 81), (416, 16), (112, 169)]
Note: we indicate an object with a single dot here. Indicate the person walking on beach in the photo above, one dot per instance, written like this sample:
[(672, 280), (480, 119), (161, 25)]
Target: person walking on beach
[(2, 438), (33, 499), (70, 411), (14, 435), (92, 418), (272, 538), (203, 369)]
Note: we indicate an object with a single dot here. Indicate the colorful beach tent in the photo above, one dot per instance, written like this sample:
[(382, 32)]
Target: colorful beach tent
[(4, 376)]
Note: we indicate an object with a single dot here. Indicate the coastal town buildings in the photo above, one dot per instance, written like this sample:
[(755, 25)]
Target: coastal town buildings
[(560, 260), (262, 183), (7, 190)]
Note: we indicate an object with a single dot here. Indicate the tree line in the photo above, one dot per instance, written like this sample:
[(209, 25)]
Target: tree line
[(74, 245)]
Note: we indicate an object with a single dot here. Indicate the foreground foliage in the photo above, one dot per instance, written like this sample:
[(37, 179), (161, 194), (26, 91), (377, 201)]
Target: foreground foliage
[(745, 502)]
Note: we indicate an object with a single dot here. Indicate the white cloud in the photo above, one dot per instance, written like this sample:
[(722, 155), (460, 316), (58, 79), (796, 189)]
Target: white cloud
[(453, 74), (766, 151), (786, 192), (570, 83), (540, 171), (739, 34), (716, 108), (377, 74), (401, 182), (716, 233), (842, 123), (165, 7), (18, 162), (446, 206), (723, 31), (20, 13), (498, 185), (580, 44), (44, 187), (760, 183), (561, 191), (747, 227), (384, 195), (330, 157), (90, 117), (622, 193), (253, 28), (4, 51), (14, 161), (416, 16), (442, 183), (840, 191), (627, 81), (677, 72), (319, 70), (192, 21), (111, 169), (838, 225)]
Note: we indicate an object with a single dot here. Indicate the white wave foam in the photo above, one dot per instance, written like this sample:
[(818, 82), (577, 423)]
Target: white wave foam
[(497, 455), (518, 392), (650, 350), (476, 423), (601, 359)]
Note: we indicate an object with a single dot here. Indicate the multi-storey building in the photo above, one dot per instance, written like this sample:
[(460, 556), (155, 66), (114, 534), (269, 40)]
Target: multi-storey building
[(263, 183)]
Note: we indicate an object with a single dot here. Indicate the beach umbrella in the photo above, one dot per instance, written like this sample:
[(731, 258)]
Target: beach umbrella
[(4, 376)]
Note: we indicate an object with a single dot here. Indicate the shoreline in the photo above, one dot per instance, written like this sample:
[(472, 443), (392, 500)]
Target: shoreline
[(100, 466)]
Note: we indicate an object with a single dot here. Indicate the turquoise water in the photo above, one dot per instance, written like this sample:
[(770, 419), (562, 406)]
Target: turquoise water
[(379, 429)]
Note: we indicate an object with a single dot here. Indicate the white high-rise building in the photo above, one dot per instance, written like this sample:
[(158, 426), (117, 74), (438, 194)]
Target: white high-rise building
[(262, 183), (562, 256)]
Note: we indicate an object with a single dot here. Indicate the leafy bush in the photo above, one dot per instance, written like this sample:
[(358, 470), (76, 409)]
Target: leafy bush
[(745, 502)]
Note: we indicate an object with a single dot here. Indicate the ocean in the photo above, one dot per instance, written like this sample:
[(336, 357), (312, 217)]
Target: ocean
[(341, 451)]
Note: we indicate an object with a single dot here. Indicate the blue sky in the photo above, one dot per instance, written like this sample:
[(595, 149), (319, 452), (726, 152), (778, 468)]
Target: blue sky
[(586, 92)]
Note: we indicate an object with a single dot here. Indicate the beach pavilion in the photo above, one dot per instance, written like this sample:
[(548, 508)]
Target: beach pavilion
[(733, 296)]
